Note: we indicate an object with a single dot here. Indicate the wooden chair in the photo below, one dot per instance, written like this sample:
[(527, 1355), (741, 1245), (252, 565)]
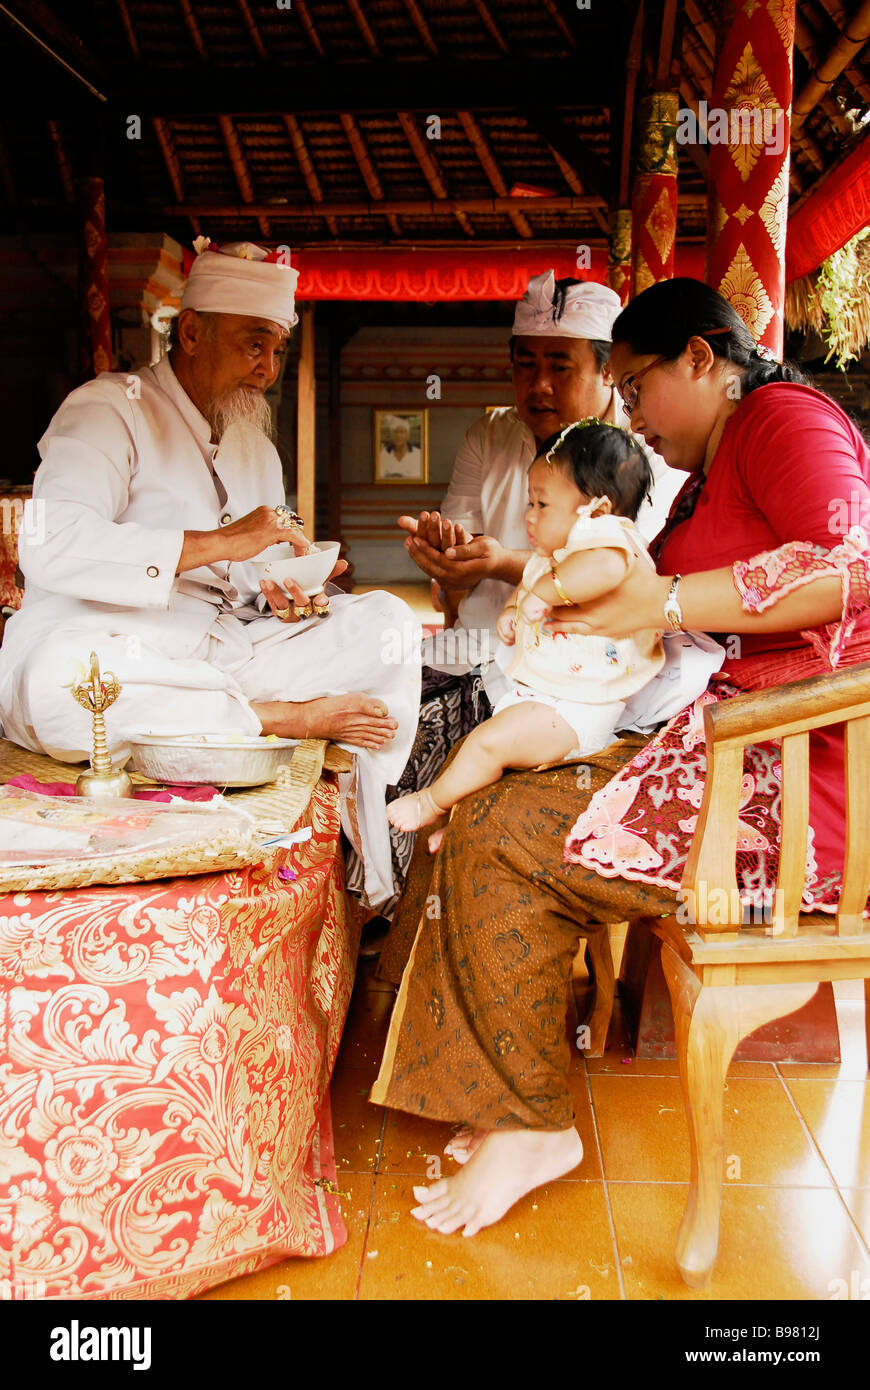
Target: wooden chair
[(726, 980)]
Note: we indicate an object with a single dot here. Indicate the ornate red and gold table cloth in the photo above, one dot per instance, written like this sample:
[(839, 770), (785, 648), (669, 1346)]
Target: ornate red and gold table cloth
[(165, 1055)]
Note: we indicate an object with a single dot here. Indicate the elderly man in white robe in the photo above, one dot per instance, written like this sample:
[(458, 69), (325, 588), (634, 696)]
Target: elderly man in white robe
[(155, 491)]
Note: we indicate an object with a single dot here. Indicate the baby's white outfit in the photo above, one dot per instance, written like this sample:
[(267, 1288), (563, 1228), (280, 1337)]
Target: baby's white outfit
[(584, 678)]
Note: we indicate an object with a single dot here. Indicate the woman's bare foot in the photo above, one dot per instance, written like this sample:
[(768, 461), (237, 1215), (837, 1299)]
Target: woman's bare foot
[(465, 1142), (416, 809), (359, 719), (507, 1165)]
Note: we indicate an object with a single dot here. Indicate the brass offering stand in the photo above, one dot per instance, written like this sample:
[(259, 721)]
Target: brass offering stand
[(103, 781)]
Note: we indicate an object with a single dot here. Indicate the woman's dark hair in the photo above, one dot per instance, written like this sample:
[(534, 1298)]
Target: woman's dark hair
[(604, 461), (663, 318)]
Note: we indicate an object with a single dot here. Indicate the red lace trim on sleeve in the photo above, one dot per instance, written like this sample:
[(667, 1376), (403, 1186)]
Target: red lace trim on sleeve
[(764, 579)]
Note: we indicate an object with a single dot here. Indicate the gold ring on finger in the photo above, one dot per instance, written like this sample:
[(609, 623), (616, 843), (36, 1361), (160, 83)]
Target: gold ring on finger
[(283, 613), (305, 612)]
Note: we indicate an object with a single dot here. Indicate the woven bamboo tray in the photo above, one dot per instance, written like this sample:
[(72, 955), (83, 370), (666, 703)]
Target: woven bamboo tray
[(279, 804)]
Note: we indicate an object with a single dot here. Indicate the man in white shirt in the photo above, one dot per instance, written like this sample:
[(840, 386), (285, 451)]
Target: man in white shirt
[(155, 492), (559, 352)]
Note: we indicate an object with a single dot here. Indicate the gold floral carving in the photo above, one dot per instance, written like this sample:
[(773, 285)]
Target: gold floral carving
[(662, 225), (742, 286), (782, 14), (774, 211), (743, 213), (750, 91)]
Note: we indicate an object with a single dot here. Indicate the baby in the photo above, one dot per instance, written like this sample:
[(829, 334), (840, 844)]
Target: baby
[(586, 486)]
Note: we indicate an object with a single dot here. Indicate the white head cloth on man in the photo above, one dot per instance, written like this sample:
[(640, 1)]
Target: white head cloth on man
[(242, 279), (587, 310)]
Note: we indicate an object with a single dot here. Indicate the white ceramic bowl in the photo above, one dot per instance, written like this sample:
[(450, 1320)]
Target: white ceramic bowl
[(310, 572)]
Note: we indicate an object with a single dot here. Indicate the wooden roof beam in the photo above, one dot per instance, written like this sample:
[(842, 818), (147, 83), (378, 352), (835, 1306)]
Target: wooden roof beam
[(804, 42), (364, 27), (240, 169), (576, 186), (819, 30), (857, 75), (419, 23), (366, 166), (63, 164), (127, 24), (418, 207), (632, 65), (664, 75), (562, 139), (378, 85), (490, 25), (704, 29), (45, 20), (429, 165), (306, 166), (491, 169), (308, 25), (839, 57), (251, 26), (696, 152), (193, 29), (553, 11), (173, 168)]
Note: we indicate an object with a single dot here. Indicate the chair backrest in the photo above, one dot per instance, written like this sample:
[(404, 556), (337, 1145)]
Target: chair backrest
[(789, 712)]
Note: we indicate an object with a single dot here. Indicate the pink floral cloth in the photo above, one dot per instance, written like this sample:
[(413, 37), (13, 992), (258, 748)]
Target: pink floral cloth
[(165, 1055)]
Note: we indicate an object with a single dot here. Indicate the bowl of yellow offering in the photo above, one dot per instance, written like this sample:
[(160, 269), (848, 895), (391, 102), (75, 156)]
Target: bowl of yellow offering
[(310, 571), (219, 760)]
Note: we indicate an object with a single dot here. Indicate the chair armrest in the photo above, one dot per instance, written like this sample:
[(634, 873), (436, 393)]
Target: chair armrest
[(790, 709)]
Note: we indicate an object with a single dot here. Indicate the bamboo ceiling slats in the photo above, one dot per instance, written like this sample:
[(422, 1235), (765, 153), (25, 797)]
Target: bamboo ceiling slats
[(314, 153)]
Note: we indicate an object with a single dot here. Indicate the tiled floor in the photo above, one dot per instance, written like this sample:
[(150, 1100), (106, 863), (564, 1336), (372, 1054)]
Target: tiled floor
[(796, 1206)]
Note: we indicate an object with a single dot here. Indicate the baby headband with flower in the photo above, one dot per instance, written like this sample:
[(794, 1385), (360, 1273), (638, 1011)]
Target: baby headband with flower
[(580, 425)]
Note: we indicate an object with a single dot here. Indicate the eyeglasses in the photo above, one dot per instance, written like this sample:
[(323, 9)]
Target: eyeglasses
[(628, 390)]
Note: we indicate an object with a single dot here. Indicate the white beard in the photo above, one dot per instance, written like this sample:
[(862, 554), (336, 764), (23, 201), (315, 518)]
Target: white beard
[(242, 411)]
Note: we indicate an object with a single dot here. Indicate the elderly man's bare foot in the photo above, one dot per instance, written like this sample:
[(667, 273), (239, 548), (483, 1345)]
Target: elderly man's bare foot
[(465, 1142), (416, 809), (508, 1164), (358, 719)]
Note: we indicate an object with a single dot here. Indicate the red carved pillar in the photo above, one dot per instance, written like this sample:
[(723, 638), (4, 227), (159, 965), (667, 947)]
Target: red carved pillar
[(95, 277), (654, 192), (748, 126), (618, 273)]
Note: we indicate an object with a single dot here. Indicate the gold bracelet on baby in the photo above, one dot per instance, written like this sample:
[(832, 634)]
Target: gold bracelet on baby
[(557, 585)]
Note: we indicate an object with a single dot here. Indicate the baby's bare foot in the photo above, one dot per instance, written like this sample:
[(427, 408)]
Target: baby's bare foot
[(416, 809), (507, 1165)]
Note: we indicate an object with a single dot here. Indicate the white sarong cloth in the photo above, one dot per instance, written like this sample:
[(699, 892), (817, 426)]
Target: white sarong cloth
[(128, 466), (210, 692)]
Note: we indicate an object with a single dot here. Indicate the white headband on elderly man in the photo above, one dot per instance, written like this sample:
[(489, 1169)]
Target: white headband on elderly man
[(589, 310), (241, 279)]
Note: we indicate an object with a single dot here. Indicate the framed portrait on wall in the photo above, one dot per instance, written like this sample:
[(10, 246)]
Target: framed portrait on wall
[(401, 446)]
